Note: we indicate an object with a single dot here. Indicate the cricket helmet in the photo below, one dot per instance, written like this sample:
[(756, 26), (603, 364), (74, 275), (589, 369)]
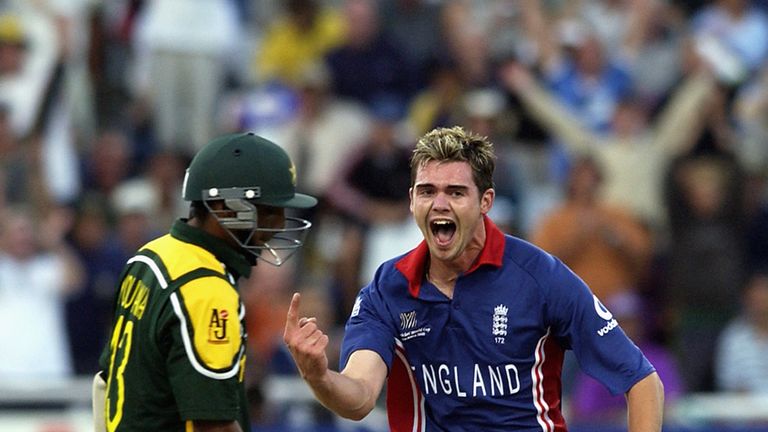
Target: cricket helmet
[(245, 171)]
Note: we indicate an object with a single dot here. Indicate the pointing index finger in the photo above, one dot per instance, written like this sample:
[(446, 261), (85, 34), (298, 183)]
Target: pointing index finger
[(292, 320)]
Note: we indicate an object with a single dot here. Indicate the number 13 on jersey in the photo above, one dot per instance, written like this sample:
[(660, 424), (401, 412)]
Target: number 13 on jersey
[(120, 347)]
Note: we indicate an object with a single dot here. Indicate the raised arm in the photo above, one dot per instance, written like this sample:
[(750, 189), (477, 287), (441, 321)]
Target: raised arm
[(537, 28), (645, 405), (545, 109), (351, 393), (682, 120)]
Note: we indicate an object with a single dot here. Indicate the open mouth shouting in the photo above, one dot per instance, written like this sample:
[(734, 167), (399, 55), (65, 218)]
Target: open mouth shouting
[(443, 231)]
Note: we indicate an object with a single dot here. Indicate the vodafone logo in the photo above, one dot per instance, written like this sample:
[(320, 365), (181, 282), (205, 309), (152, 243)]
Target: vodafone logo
[(605, 314), (601, 310)]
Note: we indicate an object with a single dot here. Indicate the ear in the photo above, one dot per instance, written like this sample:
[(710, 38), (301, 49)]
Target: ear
[(410, 199), (486, 201)]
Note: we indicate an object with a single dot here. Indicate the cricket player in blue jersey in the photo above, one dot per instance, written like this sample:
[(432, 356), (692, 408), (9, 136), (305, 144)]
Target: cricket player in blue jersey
[(469, 329)]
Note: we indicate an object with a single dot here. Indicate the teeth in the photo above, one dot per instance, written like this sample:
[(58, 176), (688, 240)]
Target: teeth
[(441, 222)]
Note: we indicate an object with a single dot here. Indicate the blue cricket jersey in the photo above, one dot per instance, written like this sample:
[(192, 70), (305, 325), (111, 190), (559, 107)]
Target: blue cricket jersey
[(489, 359)]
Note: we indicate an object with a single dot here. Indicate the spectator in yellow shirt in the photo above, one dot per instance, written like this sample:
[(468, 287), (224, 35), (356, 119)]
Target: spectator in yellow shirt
[(302, 35)]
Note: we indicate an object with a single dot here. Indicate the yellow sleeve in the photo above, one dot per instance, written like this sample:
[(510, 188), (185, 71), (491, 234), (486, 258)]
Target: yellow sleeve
[(213, 311)]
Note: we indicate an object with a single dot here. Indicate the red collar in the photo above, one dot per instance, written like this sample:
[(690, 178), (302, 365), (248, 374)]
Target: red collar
[(412, 265)]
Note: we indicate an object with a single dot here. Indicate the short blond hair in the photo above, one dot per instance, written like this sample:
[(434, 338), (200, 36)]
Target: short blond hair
[(456, 145)]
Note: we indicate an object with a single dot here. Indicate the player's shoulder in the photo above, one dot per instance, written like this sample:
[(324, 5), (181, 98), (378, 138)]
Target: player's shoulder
[(178, 258), (528, 262), (527, 256), (549, 274), (388, 276)]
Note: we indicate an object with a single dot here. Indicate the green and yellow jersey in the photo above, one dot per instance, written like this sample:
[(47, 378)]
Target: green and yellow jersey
[(177, 350)]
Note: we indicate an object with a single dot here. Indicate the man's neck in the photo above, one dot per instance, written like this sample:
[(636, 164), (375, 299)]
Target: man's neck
[(444, 284)]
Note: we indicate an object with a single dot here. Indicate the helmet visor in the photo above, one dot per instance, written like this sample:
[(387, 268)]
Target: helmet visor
[(271, 244)]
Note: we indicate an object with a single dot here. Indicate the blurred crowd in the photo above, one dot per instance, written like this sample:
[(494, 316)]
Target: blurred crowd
[(630, 134)]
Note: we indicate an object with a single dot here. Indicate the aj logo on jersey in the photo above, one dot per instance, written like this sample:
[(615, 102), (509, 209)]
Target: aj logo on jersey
[(217, 327)]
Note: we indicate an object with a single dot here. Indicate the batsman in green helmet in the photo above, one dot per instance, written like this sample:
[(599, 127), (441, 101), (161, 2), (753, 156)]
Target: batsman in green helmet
[(176, 356)]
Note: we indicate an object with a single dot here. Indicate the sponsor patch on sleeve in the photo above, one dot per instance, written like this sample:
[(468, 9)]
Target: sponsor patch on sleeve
[(356, 307), (213, 310)]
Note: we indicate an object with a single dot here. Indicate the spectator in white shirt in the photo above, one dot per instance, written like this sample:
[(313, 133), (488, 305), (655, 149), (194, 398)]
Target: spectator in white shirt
[(37, 271), (742, 355)]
